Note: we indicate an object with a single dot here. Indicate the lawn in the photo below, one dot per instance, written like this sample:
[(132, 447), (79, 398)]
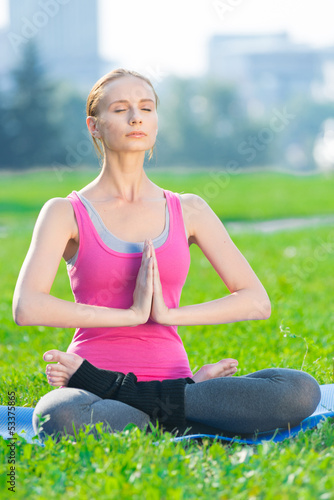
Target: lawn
[(295, 268)]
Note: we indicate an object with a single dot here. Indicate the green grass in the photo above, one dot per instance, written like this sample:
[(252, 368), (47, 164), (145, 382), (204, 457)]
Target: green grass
[(296, 269), (238, 196)]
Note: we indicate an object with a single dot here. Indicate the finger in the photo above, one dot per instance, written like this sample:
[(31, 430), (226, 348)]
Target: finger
[(157, 282), (149, 271), (143, 264), (152, 250), (146, 248), (145, 255), (156, 276), (155, 262), (148, 266), (151, 247)]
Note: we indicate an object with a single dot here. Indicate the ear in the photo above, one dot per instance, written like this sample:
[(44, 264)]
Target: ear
[(93, 126)]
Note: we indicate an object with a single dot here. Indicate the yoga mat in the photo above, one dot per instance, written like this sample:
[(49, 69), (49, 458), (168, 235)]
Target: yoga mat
[(325, 409)]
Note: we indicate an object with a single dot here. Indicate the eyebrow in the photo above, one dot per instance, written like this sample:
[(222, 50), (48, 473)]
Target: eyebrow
[(125, 100)]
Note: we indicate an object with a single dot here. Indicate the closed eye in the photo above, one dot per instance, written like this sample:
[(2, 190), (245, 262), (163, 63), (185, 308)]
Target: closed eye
[(119, 110)]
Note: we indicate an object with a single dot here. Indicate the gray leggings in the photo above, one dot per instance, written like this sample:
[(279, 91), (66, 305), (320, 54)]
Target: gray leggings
[(261, 401)]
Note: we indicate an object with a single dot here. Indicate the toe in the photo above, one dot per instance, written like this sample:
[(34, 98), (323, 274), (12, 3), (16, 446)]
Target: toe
[(52, 355)]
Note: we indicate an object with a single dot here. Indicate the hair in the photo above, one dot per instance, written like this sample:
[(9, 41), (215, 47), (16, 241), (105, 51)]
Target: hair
[(95, 96)]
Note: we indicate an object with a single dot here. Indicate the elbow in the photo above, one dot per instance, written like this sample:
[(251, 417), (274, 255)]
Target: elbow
[(266, 310), (20, 311), (18, 319), (18, 316), (260, 309)]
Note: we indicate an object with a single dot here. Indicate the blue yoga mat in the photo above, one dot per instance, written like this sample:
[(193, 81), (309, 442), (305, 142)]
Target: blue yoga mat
[(325, 409)]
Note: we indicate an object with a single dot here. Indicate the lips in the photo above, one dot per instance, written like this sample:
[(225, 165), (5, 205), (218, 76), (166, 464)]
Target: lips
[(136, 133)]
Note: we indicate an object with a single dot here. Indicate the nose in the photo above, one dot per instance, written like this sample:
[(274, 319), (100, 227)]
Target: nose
[(135, 117)]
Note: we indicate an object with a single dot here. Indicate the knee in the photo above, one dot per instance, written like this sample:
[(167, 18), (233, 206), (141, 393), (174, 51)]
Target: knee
[(302, 396), (310, 393), (44, 418), (41, 418), (52, 416)]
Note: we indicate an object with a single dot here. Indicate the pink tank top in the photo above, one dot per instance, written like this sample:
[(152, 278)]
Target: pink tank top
[(103, 277)]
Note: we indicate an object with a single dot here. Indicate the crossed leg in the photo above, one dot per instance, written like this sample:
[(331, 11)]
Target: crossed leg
[(258, 402), (68, 407), (262, 401)]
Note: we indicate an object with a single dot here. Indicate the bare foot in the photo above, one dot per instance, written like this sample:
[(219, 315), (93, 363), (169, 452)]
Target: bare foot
[(224, 368), (66, 364)]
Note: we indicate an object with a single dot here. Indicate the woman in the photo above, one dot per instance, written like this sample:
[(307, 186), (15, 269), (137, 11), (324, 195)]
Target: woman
[(126, 243)]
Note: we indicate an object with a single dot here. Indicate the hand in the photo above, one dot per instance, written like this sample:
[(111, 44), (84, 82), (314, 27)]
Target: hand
[(66, 364), (159, 311), (224, 368), (142, 295)]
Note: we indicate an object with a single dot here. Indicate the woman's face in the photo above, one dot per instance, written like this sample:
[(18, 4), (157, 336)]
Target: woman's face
[(127, 105)]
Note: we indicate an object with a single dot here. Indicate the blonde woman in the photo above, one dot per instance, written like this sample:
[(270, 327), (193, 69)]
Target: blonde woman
[(126, 244)]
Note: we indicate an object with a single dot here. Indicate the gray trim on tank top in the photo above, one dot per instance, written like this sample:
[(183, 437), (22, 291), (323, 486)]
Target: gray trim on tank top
[(112, 241)]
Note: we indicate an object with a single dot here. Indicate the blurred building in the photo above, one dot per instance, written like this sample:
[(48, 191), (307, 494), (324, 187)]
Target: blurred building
[(268, 69), (66, 34)]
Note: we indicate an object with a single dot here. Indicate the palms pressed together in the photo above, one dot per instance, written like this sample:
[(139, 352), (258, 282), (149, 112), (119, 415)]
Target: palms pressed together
[(148, 302)]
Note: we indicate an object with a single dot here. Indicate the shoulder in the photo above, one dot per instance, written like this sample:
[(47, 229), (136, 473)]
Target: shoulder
[(196, 211), (191, 201), (192, 204), (58, 211), (57, 206)]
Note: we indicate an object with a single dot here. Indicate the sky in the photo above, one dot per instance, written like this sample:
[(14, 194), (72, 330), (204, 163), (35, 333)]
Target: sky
[(172, 36)]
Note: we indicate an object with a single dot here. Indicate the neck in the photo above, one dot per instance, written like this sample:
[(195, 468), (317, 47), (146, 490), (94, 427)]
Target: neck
[(123, 176)]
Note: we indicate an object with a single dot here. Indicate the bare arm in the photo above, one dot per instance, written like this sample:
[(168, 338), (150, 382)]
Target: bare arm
[(32, 302), (247, 300)]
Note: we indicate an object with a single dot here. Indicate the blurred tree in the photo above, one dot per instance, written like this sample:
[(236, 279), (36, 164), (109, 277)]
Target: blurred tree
[(43, 121), (75, 146), (30, 134), (294, 145), (203, 123)]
